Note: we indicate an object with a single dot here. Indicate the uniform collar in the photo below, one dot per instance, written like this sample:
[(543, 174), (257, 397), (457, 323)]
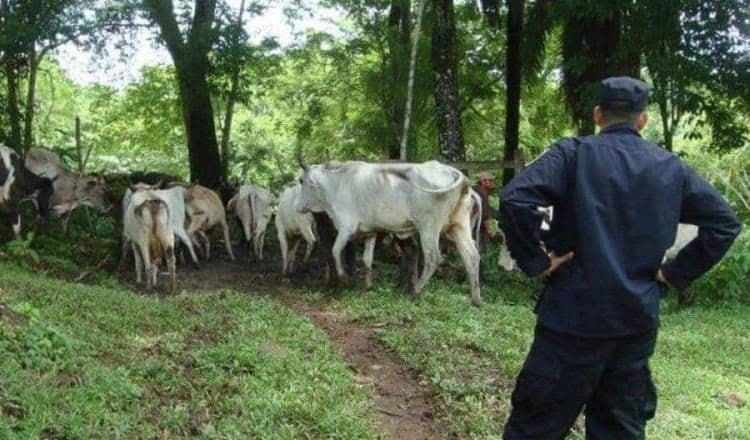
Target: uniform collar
[(622, 127)]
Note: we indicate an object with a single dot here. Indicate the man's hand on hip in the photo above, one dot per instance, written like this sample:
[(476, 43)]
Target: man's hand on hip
[(556, 262), (662, 279)]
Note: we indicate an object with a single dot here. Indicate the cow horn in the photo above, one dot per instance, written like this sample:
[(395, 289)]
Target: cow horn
[(302, 163)]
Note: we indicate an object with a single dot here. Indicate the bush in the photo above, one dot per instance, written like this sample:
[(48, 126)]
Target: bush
[(730, 279), (728, 173)]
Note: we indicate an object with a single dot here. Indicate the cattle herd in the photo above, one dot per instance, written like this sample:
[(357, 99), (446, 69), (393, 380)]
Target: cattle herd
[(412, 205)]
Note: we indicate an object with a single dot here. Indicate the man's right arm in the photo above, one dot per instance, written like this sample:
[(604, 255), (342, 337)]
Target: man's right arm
[(718, 226)]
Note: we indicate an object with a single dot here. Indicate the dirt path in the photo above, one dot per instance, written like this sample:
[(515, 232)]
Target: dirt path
[(403, 403)]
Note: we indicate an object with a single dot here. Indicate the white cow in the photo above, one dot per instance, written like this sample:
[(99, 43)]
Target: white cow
[(293, 224), (685, 234), (147, 226), (366, 198), (253, 205), (175, 200), (205, 212)]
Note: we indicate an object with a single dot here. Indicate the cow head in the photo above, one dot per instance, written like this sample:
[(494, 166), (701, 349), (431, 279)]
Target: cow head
[(91, 191), (264, 212), (310, 197)]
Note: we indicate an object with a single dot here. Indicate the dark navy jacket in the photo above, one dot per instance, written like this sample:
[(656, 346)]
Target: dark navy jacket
[(617, 201)]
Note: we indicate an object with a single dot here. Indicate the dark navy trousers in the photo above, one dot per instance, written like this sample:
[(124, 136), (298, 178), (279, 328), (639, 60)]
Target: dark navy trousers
[(607, 378)]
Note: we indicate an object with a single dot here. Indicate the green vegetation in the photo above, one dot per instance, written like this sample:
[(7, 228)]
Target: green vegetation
[(470, 357), (83, 361), (93, 362)]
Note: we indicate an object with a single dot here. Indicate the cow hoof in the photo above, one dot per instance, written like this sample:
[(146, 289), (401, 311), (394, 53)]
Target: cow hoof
[(476, 302)]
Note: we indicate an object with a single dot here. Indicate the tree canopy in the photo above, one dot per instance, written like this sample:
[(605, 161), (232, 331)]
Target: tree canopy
[(230, 105)]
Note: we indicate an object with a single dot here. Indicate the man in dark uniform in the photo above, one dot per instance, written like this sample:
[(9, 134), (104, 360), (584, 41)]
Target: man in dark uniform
[(618, 199)]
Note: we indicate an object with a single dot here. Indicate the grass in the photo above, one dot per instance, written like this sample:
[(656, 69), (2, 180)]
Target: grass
[(471, 356), (94, 362)]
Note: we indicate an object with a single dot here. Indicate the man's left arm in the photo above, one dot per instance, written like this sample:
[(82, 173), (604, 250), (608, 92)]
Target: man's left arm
[(543, 183), (718, 226)]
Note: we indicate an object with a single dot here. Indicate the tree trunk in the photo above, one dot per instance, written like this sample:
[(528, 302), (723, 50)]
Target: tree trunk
[(191, 65), (28, 132), (594, 48), (445, 66), (14, 115), (226, 133), (410, 86), (197, 113), (513, 83), (399, 28)]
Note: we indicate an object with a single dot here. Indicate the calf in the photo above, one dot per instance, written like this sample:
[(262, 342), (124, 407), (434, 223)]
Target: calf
[(205, 211), (18, 183), (293, 224), (253, 206), (148, 228), (175, 200)]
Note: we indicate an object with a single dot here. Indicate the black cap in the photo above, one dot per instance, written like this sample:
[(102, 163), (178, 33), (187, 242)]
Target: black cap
[(623, 94)]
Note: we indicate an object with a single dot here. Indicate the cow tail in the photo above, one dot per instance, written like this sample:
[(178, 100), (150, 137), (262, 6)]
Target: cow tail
[(251, 202)]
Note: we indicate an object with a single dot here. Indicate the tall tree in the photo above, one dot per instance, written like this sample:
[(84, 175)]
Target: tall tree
[(29, 30), (399, 31), (696, 57), (512, 83), (445, 67), (595, 45), (190, 56), (226, 130)]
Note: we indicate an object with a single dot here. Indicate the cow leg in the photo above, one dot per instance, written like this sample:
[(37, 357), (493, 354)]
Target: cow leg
[(466, 246), (227, 241), (147, 265), (262, 241), (293, 254), (430, 241), (185, 239), (66, 222), (171, 265), (309, 236), (342, 238), (154, 273), (367, 257), (124, 250), (258, 246), (138, 263), (408, 263), (17, 227), (284, 245), (206, 244)]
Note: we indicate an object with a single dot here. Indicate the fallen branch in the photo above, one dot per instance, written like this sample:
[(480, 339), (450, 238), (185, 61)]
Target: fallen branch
[(390, 413), (86, 273)]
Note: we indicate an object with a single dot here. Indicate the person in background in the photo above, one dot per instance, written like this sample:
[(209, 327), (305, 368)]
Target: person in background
[(484, 187), (618, 199)]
